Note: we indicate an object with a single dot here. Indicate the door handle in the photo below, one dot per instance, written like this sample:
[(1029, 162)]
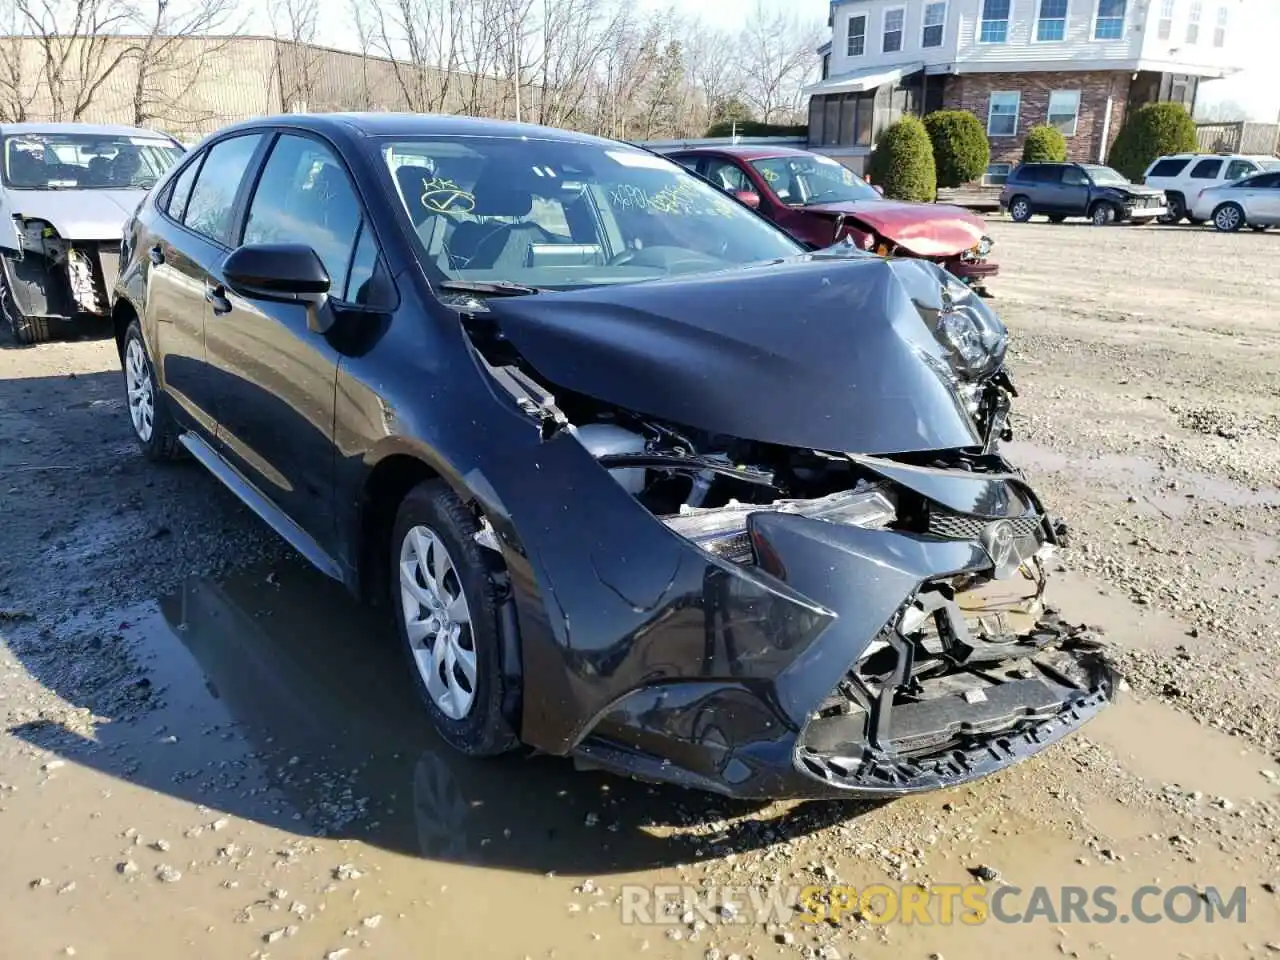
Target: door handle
[(216, 294), (156, 254)]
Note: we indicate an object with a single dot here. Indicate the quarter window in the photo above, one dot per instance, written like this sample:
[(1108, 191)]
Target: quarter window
[(1168, 168), (212, 202), (857, 35), (304, 196), (1051, 25), (727, 175), (1239, 168), (1110, 22), (1064, 111), (935, 20), (1206, 170), (180, 193), (994, 27), (893, 22), (1164, 28), (1193, 22), (1002, 114)]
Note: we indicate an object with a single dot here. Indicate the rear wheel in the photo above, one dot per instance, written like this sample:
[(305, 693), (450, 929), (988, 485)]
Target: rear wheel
[(445, 601), (1102, 214), (1177, 209), (1020, 209), (1228, 218)]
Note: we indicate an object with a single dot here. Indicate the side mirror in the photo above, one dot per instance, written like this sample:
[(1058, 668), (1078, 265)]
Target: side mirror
[(749, 197), (878, 189), (277, 271)]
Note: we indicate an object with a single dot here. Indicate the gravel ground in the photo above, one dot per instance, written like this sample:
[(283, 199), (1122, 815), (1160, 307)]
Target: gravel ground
[(203, 739)]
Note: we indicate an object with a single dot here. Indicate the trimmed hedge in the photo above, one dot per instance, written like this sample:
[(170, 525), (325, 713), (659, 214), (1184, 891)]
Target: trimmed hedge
[(902, 162), (1151, 131), (961, 151), (1044, 144), (754, 128)]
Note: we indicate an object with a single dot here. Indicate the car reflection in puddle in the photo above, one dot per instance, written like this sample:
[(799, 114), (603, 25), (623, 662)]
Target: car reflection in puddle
[(292, 706)]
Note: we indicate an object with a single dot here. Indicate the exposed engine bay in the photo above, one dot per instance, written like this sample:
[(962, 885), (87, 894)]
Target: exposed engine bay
[(52, 276)]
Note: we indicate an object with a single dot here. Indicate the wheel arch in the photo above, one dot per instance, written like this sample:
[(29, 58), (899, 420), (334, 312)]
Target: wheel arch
[(123, 313)]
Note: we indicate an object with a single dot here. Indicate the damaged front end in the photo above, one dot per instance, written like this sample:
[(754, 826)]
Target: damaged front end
[(48, 277), (801, 567)]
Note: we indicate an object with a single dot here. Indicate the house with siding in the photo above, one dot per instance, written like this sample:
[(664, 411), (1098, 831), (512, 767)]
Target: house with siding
[(1079, 65)]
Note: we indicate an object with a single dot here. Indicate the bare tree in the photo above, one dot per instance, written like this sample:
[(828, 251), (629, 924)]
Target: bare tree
[(778, 57), (1222, 111), (79, 48), (15, 93), (714, 70), (177, 52), (295, 24)]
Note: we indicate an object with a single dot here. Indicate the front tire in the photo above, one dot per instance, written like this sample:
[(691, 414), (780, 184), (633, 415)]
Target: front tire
[(1228, 218), (1103, 214), (445, 601), (1020, 209), (25, 330), (1177, 210), (153, 426)]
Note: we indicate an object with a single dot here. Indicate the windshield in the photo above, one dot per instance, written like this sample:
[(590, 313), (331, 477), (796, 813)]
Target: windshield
[(802, 181), (554, 214), (85, 161), (1105, 176)]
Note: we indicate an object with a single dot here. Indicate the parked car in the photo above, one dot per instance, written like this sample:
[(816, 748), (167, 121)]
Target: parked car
[(1184, 176), (819, 201), (640, 478), (67, 189), (1061, 190), (1253, 201)]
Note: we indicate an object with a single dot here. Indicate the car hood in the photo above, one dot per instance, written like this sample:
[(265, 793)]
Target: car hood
[(823, 352), (925, 229), (78, 214)]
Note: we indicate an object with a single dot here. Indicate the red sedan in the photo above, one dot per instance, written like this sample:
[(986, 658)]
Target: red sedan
[(820, 201)]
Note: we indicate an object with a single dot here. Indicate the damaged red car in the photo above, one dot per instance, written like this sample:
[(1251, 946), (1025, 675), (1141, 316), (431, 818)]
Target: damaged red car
[(819, 201)]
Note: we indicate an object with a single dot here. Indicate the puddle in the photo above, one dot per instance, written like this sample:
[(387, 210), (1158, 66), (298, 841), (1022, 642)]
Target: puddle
[(1163, 746), (1120, 469)]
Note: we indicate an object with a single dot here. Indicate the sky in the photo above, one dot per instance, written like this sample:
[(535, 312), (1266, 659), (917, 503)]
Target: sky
[(1257, 89)]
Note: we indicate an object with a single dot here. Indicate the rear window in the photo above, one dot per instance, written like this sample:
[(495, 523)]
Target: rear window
[(1206, 169), (1169, 168), (1038, 173)]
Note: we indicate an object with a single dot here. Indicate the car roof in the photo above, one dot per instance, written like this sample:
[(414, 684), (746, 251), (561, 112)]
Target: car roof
[(109, 129), (1213, 156), (748, 151), (382, 124)]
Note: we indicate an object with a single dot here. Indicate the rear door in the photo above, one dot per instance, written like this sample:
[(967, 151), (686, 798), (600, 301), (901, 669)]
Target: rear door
[(275, 376), (1206, 173), (1263, 207), (188, 241)]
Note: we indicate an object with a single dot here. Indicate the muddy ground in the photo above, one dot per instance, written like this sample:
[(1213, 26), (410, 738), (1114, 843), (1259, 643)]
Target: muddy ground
[(206, 750)]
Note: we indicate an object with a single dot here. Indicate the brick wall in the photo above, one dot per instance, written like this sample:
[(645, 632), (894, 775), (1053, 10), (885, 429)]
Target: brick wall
[(972, 91)]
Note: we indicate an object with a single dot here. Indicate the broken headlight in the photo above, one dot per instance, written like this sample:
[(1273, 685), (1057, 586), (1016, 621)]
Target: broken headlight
[(722, 531), (974, 338)]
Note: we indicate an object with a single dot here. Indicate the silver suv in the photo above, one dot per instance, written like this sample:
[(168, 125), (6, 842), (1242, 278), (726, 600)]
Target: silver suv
[(1184, 176)]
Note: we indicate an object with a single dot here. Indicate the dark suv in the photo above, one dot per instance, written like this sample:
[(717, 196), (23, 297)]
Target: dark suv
[(1062, 190)]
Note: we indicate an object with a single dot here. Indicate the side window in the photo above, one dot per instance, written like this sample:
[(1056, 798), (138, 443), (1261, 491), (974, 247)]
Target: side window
[(304, 196), (1169, 168), (1271, 180), (1239, 168), (690, 162), (1074, 177), (727, 175), (180, 192), (1206, 170), (210, 208)]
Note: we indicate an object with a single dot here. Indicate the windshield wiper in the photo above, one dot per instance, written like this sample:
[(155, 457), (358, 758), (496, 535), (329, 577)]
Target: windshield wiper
[(489, 288)]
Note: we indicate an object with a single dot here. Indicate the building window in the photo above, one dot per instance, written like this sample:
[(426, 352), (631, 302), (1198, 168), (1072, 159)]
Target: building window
[(994, 27), (997, 174), (858, 35), (935, 20), (1193, 22), (1110, 22), (1220, 31), (1164, 29), (1064, 111), (894, 18), (1002, 114), (1051, 25)]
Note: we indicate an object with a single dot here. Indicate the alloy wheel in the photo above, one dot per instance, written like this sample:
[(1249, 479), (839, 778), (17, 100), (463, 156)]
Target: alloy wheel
[(1021, 210), (137, 379), (437, 622), (1228, 218)]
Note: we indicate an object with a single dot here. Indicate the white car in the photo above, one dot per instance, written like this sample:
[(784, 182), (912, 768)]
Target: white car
[(1184, 176), (66, 190), (1253, 201)]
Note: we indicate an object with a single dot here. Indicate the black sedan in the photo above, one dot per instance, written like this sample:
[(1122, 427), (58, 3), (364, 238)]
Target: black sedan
[(641, 480)]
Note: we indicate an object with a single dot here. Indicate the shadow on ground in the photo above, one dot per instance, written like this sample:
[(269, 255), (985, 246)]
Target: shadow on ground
[(292, 706)]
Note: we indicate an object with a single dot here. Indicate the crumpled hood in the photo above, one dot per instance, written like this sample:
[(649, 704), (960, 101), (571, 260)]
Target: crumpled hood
[(925, 229), (78, 214), (820, 352), (1138, 190)]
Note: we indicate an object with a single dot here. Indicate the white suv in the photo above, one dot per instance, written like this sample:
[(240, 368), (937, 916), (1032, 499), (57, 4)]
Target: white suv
[(1183, 176)]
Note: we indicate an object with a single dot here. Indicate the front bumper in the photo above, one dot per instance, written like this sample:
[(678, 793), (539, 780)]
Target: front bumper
[(1145, 213), (907, 688)]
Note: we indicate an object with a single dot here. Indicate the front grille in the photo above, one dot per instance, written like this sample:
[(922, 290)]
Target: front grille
[(959, 526)]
